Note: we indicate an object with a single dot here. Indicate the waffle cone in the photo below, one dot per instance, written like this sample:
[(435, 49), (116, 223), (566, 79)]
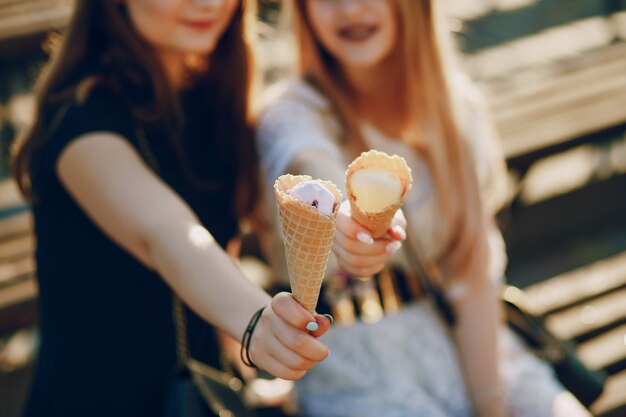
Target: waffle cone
[(308, 236), (378, 223)]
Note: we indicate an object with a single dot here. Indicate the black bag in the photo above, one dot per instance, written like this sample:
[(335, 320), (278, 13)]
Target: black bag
[(196, 389), (585, 384), (183, 399), (582, 382)]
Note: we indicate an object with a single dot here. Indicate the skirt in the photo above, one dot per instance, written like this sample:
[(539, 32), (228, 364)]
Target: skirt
[(406, 365)]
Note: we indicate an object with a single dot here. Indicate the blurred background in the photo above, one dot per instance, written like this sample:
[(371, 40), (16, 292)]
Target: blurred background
[(554, 74)]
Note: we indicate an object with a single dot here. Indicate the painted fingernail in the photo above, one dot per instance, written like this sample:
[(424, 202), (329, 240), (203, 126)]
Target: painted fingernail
[(365, 238), (312, 326), (400, 230), (331, 318), (393, 247)]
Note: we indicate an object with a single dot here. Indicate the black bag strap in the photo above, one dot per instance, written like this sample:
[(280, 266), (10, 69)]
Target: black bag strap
[(178, 313), (429, 277)]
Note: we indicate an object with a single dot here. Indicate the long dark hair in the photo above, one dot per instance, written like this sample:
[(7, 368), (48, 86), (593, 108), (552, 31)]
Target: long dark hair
[(101, 47)]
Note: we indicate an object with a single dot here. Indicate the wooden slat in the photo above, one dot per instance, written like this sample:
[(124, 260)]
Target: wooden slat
[(9, 3), (541, 49), (585, 318), (9, 195), (467, 10), (26, 18), (592, 101), (600, 277), (18, 224), (570, 99), (16, 248), (517, 88), (555, 74), (16, 270), (614, 395), (575, 122), (25, 7), (604, 350), (583, 85), (19, 293)]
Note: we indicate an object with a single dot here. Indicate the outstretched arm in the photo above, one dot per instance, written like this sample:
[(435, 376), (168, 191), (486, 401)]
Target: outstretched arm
[(130, 204)]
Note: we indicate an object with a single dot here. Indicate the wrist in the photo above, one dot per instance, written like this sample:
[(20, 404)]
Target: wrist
[(491, 401), (246, 339)]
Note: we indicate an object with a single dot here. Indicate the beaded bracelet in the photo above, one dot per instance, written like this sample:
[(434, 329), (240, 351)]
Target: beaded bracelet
[(247, 338)]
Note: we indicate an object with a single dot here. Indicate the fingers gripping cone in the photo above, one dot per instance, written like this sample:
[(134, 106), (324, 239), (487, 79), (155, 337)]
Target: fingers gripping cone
[(308, 236), (377, 222)]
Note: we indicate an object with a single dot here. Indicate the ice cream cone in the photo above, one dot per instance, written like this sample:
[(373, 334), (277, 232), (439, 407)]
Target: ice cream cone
[(378, 223), (308, 236)]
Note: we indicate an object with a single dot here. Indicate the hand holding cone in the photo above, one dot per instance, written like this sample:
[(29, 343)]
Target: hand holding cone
[(308, 236), (386, 184)]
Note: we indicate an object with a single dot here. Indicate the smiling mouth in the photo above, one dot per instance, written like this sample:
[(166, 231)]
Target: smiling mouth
[(357, 33)]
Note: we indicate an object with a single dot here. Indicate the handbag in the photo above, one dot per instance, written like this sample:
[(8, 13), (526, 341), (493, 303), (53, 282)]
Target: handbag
[(585, 384), (195, 389)]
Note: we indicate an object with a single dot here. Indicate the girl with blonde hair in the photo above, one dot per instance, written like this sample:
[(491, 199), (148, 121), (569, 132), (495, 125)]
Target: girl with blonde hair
[(377, 74)]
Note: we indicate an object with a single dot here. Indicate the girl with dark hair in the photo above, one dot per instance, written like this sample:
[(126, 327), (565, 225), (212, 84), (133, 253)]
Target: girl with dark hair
[(139, 166)]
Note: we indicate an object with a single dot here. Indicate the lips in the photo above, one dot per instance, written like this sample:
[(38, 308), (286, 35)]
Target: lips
[(198, 24), (357, 33)]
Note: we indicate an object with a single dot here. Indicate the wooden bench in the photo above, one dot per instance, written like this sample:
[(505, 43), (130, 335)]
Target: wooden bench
[(547, 97), (18, 289), (18, 299), (567, 105), (20, 18), (587, 306)]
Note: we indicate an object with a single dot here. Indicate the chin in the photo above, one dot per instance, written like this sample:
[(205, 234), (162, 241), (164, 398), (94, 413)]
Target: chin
[(198, 46), (362, 61)]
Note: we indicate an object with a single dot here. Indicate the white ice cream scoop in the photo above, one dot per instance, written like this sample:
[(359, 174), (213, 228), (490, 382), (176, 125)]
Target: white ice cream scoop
[(314, 194), (375, 189)]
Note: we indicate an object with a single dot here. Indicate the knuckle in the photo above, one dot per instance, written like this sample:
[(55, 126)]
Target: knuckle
[(344, 258), (351, 259), (381, 247), (346, 267), (347, 245), (280, 301), (340, 244), (298, 342), (300, 364)]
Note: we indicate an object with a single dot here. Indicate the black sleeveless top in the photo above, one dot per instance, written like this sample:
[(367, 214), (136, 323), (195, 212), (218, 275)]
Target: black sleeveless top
[(107, 334)]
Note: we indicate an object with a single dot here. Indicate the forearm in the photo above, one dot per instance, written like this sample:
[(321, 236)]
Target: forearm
[(194, 265), (476, 332), (151, 222)]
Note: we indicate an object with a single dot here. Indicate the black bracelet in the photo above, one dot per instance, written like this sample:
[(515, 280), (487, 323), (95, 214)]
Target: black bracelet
[(247, 338)]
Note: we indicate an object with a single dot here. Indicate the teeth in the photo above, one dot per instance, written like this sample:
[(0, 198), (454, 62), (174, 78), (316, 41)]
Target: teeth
[(357, 32)]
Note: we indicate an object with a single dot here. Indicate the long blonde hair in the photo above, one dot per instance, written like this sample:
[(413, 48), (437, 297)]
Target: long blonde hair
[(422, 61)]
